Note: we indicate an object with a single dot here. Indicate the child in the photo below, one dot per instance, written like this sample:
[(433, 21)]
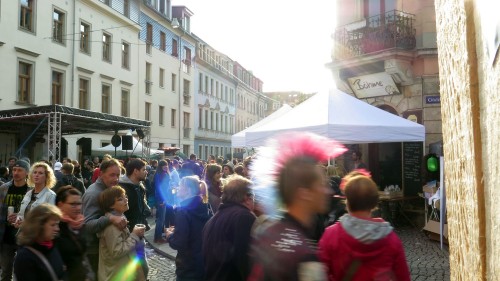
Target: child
[(121, 253)]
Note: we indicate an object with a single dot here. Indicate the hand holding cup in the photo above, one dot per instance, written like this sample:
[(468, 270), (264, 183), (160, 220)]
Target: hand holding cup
[(139, 229)]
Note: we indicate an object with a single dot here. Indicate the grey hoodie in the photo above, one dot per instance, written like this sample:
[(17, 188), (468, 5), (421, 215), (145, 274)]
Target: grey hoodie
[(365, 231)]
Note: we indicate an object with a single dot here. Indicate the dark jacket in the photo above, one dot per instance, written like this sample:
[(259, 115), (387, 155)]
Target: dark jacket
[(69, 180), (163, 191), (29, 267), (190, 218), (282, 250), (226, 241), (138, 208), (190, 168), (72, 247)]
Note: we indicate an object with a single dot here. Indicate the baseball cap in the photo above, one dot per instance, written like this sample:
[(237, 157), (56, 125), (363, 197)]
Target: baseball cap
[(57, 166), (22, 164)]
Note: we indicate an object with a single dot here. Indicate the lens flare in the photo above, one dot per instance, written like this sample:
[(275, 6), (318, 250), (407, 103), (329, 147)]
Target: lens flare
[(129, 272)]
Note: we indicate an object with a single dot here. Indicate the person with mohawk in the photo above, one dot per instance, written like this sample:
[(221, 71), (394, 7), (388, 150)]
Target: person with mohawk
[(286, 249)]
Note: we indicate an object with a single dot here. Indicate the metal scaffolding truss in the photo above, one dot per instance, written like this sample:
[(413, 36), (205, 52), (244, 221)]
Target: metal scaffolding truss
[(54, 135), (57, 120)]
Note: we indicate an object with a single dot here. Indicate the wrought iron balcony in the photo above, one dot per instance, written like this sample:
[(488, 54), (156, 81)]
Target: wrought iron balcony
[(393, 29)]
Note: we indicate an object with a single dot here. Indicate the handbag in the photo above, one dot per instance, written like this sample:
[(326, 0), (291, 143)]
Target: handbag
[(45, 262)]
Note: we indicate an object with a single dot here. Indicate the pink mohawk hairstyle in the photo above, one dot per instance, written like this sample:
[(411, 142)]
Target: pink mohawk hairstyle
[(310, 145), (272, 157)]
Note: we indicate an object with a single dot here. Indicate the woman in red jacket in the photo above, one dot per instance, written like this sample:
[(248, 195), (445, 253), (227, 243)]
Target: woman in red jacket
[(360, 247)]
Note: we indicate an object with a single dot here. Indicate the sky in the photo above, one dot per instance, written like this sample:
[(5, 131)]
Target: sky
[(285, 43)]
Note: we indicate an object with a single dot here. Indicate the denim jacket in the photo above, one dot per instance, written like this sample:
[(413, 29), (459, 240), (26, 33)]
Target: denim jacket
[(45, 196)]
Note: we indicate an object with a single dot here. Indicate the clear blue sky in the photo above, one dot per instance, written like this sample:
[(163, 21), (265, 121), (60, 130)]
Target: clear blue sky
[(285, 43)]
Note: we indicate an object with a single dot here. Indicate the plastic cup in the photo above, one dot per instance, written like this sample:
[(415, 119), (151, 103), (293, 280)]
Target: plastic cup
[(141, 226), (10, 210)]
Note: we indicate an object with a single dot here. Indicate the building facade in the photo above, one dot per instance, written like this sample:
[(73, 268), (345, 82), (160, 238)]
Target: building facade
[(385, 53), (166, 75), (215, 101), (73, 53), (127, 58)]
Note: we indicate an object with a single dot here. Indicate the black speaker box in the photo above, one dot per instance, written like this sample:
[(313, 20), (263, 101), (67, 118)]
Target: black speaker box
[(127, 143)]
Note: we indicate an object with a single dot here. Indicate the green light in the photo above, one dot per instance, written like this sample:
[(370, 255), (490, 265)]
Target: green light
[(432, 164)]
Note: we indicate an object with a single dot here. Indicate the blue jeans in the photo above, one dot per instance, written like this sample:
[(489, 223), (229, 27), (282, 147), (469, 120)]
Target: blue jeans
[(160, 220)]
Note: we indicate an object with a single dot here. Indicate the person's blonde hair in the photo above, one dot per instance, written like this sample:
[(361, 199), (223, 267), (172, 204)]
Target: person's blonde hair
[(33, 225), (50, 178), (196, 187)]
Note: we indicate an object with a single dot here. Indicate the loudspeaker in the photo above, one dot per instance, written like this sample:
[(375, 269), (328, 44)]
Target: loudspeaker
[(127, 143), (86, 144), (140, 134), (64, 148), (116, 141)]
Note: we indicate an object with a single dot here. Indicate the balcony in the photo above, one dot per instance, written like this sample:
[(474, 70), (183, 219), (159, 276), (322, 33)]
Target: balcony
[(391, 30)]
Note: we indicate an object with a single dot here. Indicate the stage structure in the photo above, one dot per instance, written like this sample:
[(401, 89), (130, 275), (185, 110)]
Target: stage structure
[(33, 123)]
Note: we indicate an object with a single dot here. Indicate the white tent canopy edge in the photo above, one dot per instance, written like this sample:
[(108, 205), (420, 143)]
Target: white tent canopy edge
[(341, 117)]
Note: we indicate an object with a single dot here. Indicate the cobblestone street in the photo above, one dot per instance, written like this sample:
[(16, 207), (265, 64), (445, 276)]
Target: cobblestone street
[(425, 259), (160, 268)]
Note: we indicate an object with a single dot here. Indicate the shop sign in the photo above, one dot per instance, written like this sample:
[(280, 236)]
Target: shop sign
[(432, 99), (373, 85)]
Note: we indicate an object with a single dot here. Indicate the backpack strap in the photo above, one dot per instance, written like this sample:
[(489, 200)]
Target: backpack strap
[(45, 262)]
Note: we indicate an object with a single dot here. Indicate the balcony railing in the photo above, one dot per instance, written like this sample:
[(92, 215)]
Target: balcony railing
[(393, 29)]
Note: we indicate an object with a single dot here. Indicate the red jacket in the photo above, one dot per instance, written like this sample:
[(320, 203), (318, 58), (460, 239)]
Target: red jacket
[(380, 259)]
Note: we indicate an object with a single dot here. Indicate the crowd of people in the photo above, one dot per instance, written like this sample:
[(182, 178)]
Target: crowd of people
[(63, 221)]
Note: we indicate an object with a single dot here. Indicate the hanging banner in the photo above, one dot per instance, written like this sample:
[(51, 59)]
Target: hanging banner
[(373, 85)]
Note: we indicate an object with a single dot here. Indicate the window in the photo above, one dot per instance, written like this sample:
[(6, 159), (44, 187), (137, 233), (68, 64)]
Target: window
[(216, 121), (83, 99), (206, 119), (149, 37), (185, 149), (125, 102), (162, 77), (148, 78), (84, 38), (161, 115), (24, 88), (125, 55), (147, 111), (174, 48), (172, 117), (106, 47), (106, 98), (187, 117), (57, 88), (58, 24), (212, 121), (200, 117), (186, 90), (206, 84), (26, 15), (200, 82), (126, 8), (163, 42), (174, 78)]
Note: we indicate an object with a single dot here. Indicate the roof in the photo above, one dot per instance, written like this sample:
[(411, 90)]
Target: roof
[(73, 120)]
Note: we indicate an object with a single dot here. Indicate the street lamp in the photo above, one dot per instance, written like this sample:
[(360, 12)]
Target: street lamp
[(176, 25)]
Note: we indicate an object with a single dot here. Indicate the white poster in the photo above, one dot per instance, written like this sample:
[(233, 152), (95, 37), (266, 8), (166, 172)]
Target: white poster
[(373, 85)]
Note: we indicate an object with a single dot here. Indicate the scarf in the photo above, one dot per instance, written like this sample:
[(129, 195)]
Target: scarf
[(47, 244), (74, 224)]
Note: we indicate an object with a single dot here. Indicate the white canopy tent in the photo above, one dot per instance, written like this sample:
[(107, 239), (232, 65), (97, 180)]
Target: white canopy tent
[(342, 117), (239, 139), (110, 149)]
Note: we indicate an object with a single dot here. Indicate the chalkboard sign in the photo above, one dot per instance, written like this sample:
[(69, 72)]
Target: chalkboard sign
[(412, 168)]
